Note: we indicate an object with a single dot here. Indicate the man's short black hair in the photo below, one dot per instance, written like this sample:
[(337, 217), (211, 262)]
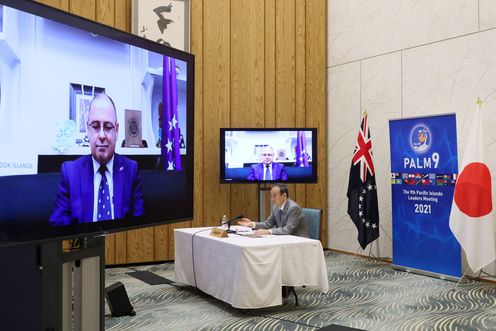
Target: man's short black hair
[(283, 188)]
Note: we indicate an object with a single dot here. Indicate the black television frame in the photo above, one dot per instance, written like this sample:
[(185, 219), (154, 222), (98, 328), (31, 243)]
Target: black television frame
[(222, 170), (21, 235)]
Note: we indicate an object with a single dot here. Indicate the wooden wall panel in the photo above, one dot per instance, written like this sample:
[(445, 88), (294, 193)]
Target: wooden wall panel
[(110, 249), (316, 105), (140, 245), (120, 247), (163, 234), (285, 63), (285, 66), (216, 104), (170, 238), (247, 63), (84, 8), (160, 243), (270, 63), (105, 12), (59, 4), (300, 91), (270, 78), (197, 49), (247, 86), (123, 15), (122, 20)]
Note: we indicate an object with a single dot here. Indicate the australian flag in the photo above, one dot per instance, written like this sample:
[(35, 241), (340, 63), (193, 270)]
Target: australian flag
[(301, 150), (362, 191), (170, 140)]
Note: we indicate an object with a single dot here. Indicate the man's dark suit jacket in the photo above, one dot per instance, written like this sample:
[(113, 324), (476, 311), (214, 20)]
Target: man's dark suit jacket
[(278, 172), (75, 196), (290, 221)]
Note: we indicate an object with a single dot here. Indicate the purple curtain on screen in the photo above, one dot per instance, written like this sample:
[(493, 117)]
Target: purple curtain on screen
[(301, 150), (171, 152)]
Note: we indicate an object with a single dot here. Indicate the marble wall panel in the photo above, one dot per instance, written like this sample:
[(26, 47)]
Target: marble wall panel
[(358, 29), (344, 117)]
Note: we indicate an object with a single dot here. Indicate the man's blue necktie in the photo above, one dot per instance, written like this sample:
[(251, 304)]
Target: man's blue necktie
[(267, 172), (103, 210)]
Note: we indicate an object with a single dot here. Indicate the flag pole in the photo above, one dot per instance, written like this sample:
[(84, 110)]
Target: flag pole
[(362, 187), (481, 271), (458, 283), (365, 113), (353, 256), (479, 103), (370, 245)]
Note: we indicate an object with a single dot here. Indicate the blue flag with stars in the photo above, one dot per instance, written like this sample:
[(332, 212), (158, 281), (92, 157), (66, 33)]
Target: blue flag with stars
[(170, 140)]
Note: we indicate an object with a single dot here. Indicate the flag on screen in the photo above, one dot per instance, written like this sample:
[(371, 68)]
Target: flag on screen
[(471, 219), (362, 191), (170, 142), (301, 149)]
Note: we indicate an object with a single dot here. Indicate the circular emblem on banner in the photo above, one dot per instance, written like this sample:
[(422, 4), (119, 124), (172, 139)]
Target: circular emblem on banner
[(133, 127), (420, 138)]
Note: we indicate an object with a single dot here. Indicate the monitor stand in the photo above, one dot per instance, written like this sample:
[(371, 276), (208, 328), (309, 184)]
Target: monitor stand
[(262, 188), (73, 285)]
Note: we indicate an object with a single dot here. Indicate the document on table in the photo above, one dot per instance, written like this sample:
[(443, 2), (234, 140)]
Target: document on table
[(244, 231)]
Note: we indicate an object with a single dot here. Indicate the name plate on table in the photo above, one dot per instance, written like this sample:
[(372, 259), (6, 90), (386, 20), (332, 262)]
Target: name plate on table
[(219, 233)]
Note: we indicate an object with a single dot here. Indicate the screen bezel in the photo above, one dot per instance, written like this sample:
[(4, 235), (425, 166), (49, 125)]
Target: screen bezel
[(306, 180), (22, 235)]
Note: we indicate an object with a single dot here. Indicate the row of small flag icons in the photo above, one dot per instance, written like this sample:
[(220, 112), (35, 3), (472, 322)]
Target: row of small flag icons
[(423, 179)]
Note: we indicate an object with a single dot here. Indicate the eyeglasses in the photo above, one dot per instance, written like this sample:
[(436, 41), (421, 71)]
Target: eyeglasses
[(96, 127), (267, 154)]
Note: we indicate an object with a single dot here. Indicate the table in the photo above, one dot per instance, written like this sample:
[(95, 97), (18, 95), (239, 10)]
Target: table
[(248, 272)]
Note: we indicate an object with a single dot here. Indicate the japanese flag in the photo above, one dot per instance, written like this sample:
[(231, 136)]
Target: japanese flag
[(471, 218)]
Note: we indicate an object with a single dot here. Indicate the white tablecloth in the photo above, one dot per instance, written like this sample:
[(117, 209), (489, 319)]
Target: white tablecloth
[(248, 272)]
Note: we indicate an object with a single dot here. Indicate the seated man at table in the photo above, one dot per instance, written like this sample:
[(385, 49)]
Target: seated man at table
[(286, 216)]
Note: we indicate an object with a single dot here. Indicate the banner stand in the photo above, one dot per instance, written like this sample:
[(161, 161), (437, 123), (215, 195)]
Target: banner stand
[(426, 273), (424, 170)]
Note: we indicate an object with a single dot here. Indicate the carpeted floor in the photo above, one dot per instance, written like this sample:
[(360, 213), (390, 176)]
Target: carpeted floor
[(364, 294)]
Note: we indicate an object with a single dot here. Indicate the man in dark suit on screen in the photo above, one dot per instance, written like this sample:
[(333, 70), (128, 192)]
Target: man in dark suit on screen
[(267, 169), (103, 185)]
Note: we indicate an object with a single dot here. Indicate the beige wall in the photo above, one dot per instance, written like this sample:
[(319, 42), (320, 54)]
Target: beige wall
[(258, 64), (402, 59)]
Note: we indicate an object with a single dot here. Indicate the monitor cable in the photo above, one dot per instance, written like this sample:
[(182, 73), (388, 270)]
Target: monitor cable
[(193, 252)]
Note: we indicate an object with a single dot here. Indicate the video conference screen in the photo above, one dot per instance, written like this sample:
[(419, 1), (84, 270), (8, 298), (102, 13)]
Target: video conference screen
[(96, 127), (268, 155)]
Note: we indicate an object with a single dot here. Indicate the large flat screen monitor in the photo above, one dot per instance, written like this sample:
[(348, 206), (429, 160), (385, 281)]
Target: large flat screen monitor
[(75, 95), (250, 155)]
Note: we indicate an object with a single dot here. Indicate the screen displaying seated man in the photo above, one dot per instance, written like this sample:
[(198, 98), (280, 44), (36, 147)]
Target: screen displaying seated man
[(250, 155), (267, 169), (103, 185)]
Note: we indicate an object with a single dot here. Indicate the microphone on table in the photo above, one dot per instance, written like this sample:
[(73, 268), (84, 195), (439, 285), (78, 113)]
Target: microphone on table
[(230, 221)]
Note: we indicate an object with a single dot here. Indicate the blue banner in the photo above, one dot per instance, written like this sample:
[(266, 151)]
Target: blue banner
[(424, 168)]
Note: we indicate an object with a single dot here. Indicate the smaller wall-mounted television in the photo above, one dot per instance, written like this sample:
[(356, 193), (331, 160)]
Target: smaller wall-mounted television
[(249, 155)]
